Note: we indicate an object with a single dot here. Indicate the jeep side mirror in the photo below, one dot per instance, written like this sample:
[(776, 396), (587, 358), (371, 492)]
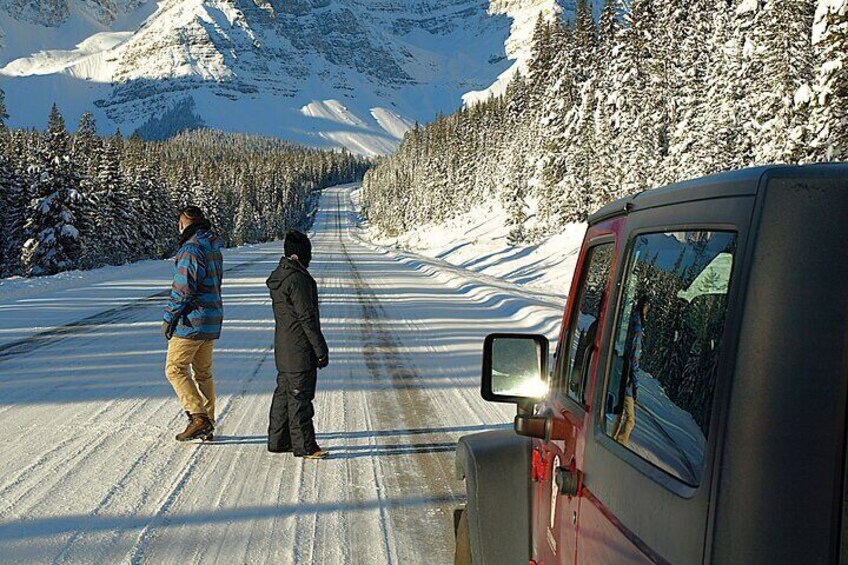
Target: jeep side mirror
[(515, 368)]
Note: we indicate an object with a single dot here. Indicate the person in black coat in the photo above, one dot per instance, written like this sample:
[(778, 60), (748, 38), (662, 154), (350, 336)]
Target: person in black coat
[(299, 350)]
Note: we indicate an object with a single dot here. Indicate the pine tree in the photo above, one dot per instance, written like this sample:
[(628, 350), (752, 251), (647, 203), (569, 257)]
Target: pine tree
[(554, 133), (640, 108), (53, 243), (136, 187), (603, 169), (6, 191), (777, 57), (115, 222), (84, 152), (687, 54), (721, 142), (244, 214), (829, 115), (3, 114), (15, 154), (659, 91)]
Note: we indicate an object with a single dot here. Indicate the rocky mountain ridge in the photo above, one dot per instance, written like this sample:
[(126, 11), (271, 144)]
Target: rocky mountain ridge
[(349, 73)]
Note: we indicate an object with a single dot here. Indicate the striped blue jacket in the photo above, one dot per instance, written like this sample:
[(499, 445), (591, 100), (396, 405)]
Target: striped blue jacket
[(195, 309), (634, 352)]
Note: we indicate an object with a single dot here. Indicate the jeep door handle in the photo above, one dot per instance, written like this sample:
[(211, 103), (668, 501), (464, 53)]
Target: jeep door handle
[(567, 481)]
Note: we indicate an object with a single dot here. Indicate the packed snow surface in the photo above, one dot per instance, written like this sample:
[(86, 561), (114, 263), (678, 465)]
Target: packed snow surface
[(91, 473)]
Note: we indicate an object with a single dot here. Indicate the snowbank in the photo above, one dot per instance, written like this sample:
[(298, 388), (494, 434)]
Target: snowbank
[(477, 241), (19, 287), (157, 272)]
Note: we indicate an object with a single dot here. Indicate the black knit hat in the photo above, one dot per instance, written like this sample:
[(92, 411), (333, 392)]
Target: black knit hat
[(192, 212), (296, 243)]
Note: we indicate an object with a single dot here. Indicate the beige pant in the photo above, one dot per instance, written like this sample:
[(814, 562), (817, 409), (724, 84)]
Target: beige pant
[(194, 388), (626, 422)]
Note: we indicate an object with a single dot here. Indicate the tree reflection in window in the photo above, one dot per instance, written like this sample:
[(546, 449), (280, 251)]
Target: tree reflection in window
[(685, 277)]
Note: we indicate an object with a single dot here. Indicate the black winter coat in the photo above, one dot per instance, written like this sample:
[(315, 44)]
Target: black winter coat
[(298, 341)]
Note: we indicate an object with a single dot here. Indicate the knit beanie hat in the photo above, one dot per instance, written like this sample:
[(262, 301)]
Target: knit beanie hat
[(296, 243)]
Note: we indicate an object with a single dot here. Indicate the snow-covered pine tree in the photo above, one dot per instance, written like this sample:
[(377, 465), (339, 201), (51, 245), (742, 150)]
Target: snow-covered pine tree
[(829, 114), (512, 173), (115, 224), (15, 153), (607, 157), (244, 213), (84, 154), (745, 22), (5, 192), (719, 136), (638, 93), (540, 68), (6, 179), (585, 37), (85, 144), (689, 30), (53, 240), (556, 141), (3, 114), (577, 189), (778, 59), (137, 185), (182, 186), (156, 233)]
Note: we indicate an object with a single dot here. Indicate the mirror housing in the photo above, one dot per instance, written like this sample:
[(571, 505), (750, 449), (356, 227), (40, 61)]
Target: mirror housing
[(545, 427), (531, 426), (515, 368)]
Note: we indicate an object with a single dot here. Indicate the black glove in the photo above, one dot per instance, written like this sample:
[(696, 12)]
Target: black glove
[(323, 361), (167, 330)]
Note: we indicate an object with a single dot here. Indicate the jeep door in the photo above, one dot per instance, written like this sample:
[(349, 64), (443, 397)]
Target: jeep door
[(557, 459), (665, 364)]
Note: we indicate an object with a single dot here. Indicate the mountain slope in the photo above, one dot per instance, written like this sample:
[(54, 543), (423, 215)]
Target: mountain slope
[(326, 72)]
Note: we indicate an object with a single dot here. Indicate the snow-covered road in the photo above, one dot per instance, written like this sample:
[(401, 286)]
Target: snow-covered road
[(90, 471)]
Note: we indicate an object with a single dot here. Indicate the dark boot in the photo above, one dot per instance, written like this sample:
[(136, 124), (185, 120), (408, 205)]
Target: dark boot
[(199, 427), (317, 454), (210, 436)]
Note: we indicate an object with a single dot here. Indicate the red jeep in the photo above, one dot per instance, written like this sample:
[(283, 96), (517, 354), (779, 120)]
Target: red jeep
[(696, 409)]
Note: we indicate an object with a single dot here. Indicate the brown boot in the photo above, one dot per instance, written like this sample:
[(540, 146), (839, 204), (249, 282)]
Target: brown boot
[(199, 427)]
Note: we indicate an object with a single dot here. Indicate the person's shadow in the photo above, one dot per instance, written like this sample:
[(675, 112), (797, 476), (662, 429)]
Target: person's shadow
[(374, 449)]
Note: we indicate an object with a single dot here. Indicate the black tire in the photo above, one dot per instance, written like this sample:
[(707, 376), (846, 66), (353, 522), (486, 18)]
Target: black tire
[(462, 556)]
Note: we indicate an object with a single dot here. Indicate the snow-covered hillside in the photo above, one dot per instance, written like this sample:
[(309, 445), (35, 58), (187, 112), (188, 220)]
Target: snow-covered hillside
[(478, 241), (350, 73)]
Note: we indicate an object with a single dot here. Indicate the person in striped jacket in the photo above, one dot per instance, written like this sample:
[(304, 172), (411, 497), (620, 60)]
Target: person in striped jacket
[(192, 321), (629, 387)]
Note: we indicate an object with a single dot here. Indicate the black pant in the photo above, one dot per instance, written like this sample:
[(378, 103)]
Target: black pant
[(290, 426)]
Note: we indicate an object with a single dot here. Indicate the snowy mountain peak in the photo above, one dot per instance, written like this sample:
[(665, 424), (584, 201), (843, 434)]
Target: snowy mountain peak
[(54, 13), (275, 67), (524, 15)]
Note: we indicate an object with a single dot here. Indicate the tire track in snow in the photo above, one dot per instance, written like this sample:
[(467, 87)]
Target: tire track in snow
[(160, 518), (125, 313), (45, 458), (58, 472), (408, 405)]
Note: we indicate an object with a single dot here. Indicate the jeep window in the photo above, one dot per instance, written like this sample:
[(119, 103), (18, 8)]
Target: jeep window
[(667, 342), (584, 323)]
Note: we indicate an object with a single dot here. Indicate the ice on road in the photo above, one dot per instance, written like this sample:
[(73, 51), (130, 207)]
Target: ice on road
[(90, 471)]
